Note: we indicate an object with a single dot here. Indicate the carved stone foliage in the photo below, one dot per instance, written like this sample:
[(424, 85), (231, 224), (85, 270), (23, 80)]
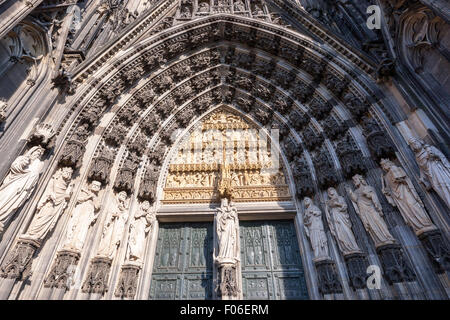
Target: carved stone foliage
[(357, 270), (319, 108), (263, 115), (298, 120), (327, 276), (333, 128), (17, 264), (283, 78), (301, 91), (246, 103), (334, 84), (437, 249), (311, 138), (74, 149), (145, 97), (350, 157), (147, 190), (97, 276), (128, 280), (291, 149), (326, 175), (356, 107), (100, 167), (313, 68), (380, 145), (62, 270), (151, 124), (282, 104), (116, 135), (138, 145), (125, 176), (303, 179), (127, 114), (395, 266), (42, 135)]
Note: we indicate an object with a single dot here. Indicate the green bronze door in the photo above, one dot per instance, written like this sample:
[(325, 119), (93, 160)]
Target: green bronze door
[(271, 262), (182, 268)]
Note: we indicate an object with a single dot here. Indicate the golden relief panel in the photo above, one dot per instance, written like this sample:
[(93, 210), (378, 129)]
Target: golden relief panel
[(225, 141)]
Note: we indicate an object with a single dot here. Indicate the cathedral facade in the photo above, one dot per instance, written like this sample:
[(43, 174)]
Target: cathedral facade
[(224, 149)]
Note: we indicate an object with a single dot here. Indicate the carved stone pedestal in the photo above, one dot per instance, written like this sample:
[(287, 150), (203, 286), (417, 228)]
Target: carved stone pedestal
[(98, 275), (328, 279), (228, 282), (17, 264), (395, 266), (437, 250), (62, 270), (357, 270), (128, 281)]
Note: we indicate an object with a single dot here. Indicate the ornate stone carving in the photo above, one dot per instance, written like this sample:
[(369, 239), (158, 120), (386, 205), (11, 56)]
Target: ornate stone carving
[(340, 223), (292, 149), (51, 205), (326, 175), (350, 157), (19, 184), (100, 167), (301, 91), (17, 264), (313, 68), (312, 219), (319, 108), (263, 116), (333, 128), (228, 286), (434, 168), (82, 217), (41, 135), (128, 280), (227, 233), (395, 266), (303, 179), (116, 135), (128, 114), (147, 189), (145, 97), (311, 139), (97, 276), (151, 124), (62, 271), (334, 84), (357, 270), (327, 277), (437, 249), (125, 176), (400, 192), (379, 143), (114, 226), (298, 121), (356, 107), (74, 149), (368, 207)]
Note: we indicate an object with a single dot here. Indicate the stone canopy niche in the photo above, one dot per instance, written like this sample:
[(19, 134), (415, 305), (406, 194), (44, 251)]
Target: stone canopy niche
[(224, 137)]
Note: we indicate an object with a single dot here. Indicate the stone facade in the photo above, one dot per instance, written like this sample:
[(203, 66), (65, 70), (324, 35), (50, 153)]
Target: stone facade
[(127, 115)]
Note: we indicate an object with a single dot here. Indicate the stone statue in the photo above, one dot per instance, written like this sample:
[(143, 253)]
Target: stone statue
[(239, 5), (142, 224), (339, 222), (19, 184), (83, 215), (434, 168), (368, 207), (51, 206), (400, 192), (114, 226), (314, 230), (227, 232)]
